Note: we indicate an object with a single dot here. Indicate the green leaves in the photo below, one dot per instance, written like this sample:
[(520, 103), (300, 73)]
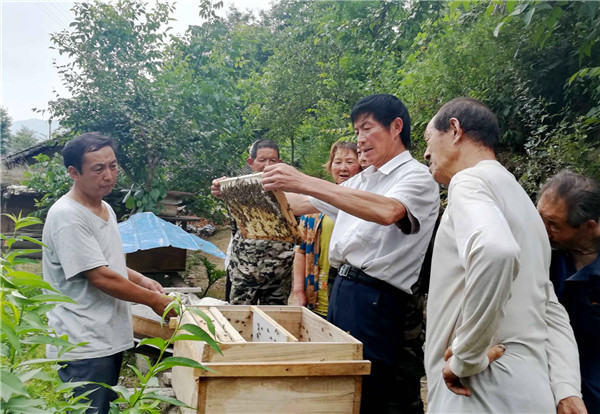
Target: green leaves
[(50, 178), (201, 335), (171, 362), (139, 199), (11, 385), (141, 401), (24, 329)]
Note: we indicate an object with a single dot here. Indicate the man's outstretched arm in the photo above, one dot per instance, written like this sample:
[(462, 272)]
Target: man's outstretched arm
[(362, 204)]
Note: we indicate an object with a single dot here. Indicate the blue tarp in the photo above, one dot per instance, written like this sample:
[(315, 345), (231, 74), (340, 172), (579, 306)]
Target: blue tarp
[(143, 231)]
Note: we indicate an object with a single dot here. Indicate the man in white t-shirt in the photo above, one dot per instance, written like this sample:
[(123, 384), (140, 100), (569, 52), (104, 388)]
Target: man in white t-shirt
[(83, 258)]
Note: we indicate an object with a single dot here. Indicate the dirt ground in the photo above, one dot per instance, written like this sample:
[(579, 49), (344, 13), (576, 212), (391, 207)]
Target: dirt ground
[(195, 274)]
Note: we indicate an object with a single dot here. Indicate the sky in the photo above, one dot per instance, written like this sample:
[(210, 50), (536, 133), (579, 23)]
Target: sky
[(27, 76)]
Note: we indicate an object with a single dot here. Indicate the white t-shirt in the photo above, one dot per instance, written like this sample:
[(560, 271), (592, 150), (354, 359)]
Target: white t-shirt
[(385, 252), (78, 240)]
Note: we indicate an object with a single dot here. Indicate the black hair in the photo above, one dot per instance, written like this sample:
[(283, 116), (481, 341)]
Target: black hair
[(477, 121), (87, 142), (384, 108), (263, 143), (581, 195)]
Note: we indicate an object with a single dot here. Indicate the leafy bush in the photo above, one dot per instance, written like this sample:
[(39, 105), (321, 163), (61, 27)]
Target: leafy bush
[(25, 387), (142, 401), (50, 178), (24, 329)]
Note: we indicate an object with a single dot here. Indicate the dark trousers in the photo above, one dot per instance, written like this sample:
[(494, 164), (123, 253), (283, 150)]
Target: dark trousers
[(227, 287), (103, 369), (389, 323)]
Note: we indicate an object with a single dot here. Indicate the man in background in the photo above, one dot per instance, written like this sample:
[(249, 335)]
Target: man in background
[(489, 283), (259, 271), (83, 259), (569, 204)]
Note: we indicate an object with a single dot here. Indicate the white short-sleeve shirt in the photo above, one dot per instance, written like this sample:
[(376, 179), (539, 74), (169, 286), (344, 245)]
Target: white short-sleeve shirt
[(385, 252)]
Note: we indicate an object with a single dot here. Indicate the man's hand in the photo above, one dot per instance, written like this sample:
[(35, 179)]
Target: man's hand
[(159, 305), (151, 284), (215, 188), (283, 177), (453, 382), (571, 405)]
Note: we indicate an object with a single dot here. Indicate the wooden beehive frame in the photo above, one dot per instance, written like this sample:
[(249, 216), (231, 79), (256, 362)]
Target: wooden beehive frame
[(259, 214)]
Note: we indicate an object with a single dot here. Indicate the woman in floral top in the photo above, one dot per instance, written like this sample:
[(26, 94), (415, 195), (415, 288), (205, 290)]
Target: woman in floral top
[(311, 261)]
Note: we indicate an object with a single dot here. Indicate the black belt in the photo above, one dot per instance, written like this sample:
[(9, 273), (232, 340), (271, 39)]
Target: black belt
[(353, 273)]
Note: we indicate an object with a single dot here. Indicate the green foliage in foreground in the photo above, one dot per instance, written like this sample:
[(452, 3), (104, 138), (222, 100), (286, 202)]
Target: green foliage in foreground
[(28, 381), (24, 331), (142, 401)]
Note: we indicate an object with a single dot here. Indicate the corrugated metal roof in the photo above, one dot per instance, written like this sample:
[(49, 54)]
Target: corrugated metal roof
[(143, 231)]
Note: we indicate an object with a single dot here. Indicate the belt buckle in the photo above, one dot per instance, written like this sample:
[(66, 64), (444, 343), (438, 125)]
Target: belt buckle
[(344, 270)]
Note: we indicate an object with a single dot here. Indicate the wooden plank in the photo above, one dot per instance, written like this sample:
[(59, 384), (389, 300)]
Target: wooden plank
[(283, 351), (290, 317), (184, 380), (289, 395), (220, 334), (198, 320), (285, 369), (190, 349), (174, 322), (202, 395), (240, 318), (183, 289), (148, 328), (317, 329), (357, 394), (220, 320), (265, 329)]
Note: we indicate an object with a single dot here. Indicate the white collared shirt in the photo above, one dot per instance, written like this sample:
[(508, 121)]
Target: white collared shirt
[(385, 252)]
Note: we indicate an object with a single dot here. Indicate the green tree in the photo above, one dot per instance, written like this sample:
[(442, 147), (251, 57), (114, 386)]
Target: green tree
[(124, 83), (23, 139), (328, 56), (458, 52), (184, 109), (167, 101), (49, 177), (5, 124)]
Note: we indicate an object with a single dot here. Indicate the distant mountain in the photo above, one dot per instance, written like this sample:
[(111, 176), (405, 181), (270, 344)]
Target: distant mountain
[(38, 125)]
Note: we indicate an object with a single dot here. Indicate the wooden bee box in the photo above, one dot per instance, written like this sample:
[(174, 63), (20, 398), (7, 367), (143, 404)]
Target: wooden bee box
[(259, 214), (276, 359)]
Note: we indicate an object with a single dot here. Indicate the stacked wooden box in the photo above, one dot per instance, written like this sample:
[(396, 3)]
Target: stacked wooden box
[(276, 359)]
